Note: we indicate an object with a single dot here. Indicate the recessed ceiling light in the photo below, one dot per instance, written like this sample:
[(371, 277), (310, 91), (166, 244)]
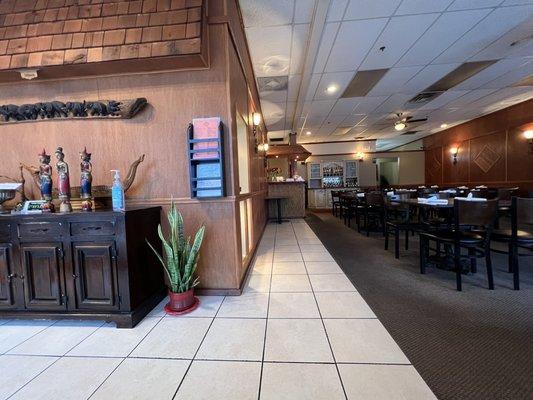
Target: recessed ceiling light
[(332, 89), (444, 126), (308, 133)]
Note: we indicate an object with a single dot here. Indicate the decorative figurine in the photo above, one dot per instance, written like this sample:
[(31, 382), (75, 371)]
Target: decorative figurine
[(45, 181), (63, 184), (86, 179)]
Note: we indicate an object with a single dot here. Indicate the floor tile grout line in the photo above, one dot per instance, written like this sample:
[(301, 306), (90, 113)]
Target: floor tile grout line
[(35, 334), (266, 322), (326, 333), (197, 350), (123, 359)]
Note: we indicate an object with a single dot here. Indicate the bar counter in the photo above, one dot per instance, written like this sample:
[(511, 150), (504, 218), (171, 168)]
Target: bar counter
[(294, 204)]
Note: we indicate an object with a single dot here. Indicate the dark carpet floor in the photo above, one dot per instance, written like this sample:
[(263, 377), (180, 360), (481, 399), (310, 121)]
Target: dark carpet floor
[(474, 344)]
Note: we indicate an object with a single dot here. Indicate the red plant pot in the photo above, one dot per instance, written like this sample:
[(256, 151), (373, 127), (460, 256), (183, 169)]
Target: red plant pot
[(181, 303)]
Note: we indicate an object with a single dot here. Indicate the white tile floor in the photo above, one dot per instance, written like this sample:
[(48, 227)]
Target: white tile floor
[(300, 331)]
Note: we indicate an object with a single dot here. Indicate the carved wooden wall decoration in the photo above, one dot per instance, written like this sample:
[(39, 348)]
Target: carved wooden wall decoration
[(11, 113), (487, 158)]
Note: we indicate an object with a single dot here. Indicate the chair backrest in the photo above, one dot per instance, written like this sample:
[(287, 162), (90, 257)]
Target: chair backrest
[(425, 192), (475, 213), (522, 215), (335, 195), (506, 193), (374, 199)]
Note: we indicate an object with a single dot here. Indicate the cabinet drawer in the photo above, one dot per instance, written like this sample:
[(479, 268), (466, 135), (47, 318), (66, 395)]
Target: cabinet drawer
[(39, 229), (5, 232), (92, 228)]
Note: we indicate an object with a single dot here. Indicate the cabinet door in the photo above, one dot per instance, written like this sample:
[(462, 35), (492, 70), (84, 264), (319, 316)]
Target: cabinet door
[(7, 277), (43, 276), (95, 275)]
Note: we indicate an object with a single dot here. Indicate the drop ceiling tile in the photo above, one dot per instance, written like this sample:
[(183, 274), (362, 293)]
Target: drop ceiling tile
[(276, 96), (344, 106), (321, 107), (443, 99), (487, 31), (471, 4), (368, 104), (397, 37), (314, 121), (347, 53), (394, 80), (266, 12), (303, 11), (362, 9), (275, 126), (422, 6), (289, 110), (300, 35), (491, 73), (444, 32), (270, 49), (272, 112), (355, 119), (294, 85), (328, 37), (338, 79), (336, 10), (516, 42), (393, 104), (427, 76), (510, 78), (313, 84), (516, 2), (469, 97)]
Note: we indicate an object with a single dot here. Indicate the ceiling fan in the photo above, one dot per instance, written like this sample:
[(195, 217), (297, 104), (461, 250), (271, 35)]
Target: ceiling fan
[(402, 122)]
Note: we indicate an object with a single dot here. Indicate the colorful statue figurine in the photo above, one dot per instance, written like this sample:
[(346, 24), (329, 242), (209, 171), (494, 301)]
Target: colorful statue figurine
[(63, 184), (45, 181), (86, 179)]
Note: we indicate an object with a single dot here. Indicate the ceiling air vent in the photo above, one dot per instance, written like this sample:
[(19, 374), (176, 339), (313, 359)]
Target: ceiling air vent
[(278, 139), (272, 83), (363, 82), (410, 132), (424, 97)]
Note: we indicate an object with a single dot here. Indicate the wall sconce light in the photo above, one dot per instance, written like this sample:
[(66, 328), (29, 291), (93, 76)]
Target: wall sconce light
[(256, 120), (529, 136), (454, 151), (28, 73), (359, 156), (263, 147)]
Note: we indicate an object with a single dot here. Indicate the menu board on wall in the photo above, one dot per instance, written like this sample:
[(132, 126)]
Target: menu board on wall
[(351, 169)]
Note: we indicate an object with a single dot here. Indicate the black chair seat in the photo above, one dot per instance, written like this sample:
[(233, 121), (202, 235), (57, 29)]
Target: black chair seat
[(449, 235), (506, 234)]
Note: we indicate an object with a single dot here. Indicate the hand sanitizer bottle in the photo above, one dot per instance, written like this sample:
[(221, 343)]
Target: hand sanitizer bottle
[(117, 192)]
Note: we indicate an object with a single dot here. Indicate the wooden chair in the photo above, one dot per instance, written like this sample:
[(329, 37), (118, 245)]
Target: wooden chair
[(398, 217), (472, 228), (335, 202), (374, 211), (520, 236)]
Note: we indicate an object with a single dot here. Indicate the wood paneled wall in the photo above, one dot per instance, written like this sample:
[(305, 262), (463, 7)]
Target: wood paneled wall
[(159, 131), (492, 151)]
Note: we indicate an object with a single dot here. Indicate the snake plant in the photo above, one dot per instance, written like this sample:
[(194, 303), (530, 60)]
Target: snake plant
[(180, 257)]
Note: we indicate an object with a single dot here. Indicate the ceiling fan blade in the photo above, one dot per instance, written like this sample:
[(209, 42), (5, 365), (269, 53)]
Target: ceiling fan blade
[(417, 120)]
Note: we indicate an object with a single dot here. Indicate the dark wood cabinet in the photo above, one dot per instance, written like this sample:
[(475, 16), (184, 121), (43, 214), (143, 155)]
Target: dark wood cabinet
[(95, 275), (93, 265), (7, 298), (42, 276)]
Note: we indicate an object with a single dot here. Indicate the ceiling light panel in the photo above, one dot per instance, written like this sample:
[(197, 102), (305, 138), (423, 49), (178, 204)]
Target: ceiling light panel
[(490, 73), (398, 36), (363, 82), (487, 31), (362, 9), (347, 53), (448, 28)]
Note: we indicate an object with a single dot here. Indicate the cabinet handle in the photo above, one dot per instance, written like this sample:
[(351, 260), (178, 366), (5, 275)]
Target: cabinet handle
[(92, 228), (40, 230)]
